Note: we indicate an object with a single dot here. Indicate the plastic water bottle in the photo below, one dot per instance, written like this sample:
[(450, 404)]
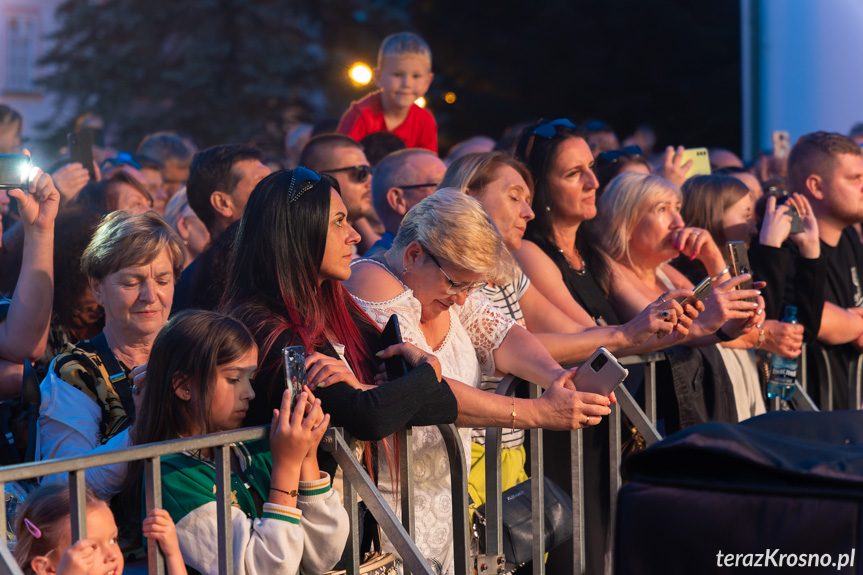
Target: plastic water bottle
[(783, 371)]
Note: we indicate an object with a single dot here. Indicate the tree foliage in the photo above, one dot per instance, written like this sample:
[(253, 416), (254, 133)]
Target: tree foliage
[(217, 70)]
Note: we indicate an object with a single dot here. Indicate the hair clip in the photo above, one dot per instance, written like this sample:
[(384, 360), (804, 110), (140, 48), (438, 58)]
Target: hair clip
[(34, 531)]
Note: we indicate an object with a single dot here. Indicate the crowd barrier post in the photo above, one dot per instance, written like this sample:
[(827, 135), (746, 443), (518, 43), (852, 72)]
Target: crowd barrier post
[(356, 481)]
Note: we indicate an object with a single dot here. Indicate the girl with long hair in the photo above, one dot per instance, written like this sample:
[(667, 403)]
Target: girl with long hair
[(284, 515)]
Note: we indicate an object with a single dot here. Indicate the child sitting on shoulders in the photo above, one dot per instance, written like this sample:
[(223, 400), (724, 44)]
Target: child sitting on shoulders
[(403, 74), (44, 529)]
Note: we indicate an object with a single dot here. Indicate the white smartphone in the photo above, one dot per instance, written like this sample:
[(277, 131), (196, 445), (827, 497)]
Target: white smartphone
[(601, 373)]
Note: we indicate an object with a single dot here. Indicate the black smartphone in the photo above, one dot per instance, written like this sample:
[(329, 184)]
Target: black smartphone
[(699, 293), (396, 365), (740, 264), (81, 151), (601, 373), (14, 172), (796, 222), (295, 370)]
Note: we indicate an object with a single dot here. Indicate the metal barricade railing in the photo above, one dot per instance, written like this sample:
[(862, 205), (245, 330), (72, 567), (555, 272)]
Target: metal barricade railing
[(625, 404), (357, 481)]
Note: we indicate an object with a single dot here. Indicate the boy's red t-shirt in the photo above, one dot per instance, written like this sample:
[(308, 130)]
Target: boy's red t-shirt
[(366, 116)]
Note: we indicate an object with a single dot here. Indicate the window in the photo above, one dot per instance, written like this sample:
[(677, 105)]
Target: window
[(20, 52)]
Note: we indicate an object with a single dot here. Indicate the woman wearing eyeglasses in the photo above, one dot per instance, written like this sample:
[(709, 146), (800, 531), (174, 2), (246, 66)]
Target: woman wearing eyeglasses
[(445, 252), (291, 255)]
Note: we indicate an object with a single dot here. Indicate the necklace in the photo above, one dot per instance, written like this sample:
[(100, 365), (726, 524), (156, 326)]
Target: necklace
[(578, 271)]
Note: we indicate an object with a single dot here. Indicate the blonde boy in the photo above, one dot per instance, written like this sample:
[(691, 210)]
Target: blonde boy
[(403, 74)]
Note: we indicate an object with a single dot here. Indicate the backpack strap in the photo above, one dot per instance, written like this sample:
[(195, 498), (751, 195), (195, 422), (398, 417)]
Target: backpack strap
[(117, 375)]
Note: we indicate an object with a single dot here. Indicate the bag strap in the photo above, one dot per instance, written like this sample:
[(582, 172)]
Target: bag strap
[(117, 375)]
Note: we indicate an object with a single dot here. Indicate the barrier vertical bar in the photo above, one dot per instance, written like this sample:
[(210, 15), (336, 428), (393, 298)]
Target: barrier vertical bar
[(650, 391), (537, 493), (153, 496), (78, 500), (614, 441), (222, 459), (576, 442), (406, 483), (458, 474), (350, 496), (3, 526)]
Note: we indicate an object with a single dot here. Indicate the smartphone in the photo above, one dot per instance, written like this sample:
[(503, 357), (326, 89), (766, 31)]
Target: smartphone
[(14, 172), (781, 144), (740, 264), (700, 293), (796, 222), (295, 370), (700, 162), (396, 366), (601, 373), (81, 151)]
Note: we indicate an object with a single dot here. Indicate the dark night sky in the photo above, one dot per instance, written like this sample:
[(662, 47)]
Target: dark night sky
[(673, 64)]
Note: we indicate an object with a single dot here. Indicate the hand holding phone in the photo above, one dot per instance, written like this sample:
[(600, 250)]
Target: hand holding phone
[(14, 172), (740, 264), (391, 335), (600, 374), (295, 370), (700, 293), (81, 151)]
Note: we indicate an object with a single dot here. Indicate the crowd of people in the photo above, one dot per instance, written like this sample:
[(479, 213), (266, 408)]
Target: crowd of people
[(155, 296)]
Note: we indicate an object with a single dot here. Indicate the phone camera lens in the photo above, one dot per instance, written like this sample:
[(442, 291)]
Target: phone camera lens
[(598, 363)]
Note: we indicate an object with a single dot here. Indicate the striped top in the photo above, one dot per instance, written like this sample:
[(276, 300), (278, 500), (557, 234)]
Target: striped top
[(505, 299)]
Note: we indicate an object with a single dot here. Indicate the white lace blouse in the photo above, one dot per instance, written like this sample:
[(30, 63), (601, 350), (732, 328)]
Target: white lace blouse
[(476, 330)]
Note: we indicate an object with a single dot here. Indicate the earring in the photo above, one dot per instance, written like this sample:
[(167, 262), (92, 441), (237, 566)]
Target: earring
[(548, 208), (186, 395)]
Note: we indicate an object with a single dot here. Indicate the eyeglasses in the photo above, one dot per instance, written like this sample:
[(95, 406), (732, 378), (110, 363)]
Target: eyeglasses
[(456, 288), (302, 180), (360, 173), (547, 131), (612, 156), (414, 186)]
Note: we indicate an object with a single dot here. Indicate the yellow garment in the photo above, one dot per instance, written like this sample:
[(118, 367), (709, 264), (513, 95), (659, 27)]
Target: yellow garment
[(511, 472)]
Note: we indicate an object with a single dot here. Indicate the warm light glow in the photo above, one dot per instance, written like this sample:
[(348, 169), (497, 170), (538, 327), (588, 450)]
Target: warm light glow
[(421, 102), (360, 74), (449, 97)]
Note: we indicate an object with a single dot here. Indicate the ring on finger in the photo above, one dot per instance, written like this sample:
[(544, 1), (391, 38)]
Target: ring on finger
[(662, 296), (588, 421), (665, 314)]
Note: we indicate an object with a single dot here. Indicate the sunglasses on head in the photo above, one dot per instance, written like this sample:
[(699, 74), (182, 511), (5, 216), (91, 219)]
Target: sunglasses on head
[(302, 180), (547, 131), (612, 156), (360, 173), (122, 159)]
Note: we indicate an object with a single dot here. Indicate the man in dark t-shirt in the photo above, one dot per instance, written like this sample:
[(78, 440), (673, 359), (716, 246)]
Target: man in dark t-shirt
[(828, 169)]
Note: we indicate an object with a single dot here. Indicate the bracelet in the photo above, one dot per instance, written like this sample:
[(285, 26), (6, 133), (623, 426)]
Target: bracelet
[(512, 427), (292, 493), (715, 278), (722, 335), (761, 338)]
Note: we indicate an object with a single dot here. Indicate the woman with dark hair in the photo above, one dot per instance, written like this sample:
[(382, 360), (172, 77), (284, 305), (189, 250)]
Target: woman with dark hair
[(291, 255)]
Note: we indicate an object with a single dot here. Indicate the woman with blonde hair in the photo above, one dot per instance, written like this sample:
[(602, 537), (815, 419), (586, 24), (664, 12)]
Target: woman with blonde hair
[(445, 252)]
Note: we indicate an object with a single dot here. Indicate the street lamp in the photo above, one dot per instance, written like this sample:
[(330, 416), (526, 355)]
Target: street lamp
[(360, 74)]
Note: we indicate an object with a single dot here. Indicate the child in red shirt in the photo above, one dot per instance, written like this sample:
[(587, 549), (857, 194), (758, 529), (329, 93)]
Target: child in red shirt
[(403, 74)]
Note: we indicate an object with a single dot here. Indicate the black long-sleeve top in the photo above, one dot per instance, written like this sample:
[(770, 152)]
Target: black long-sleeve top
[(416, 399)]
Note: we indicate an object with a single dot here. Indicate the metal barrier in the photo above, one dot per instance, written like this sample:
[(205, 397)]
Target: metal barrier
[(626, 404), (357, 481)]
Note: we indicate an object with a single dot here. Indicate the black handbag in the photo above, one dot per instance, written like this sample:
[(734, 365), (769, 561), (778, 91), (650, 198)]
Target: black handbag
[(518, 524)]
